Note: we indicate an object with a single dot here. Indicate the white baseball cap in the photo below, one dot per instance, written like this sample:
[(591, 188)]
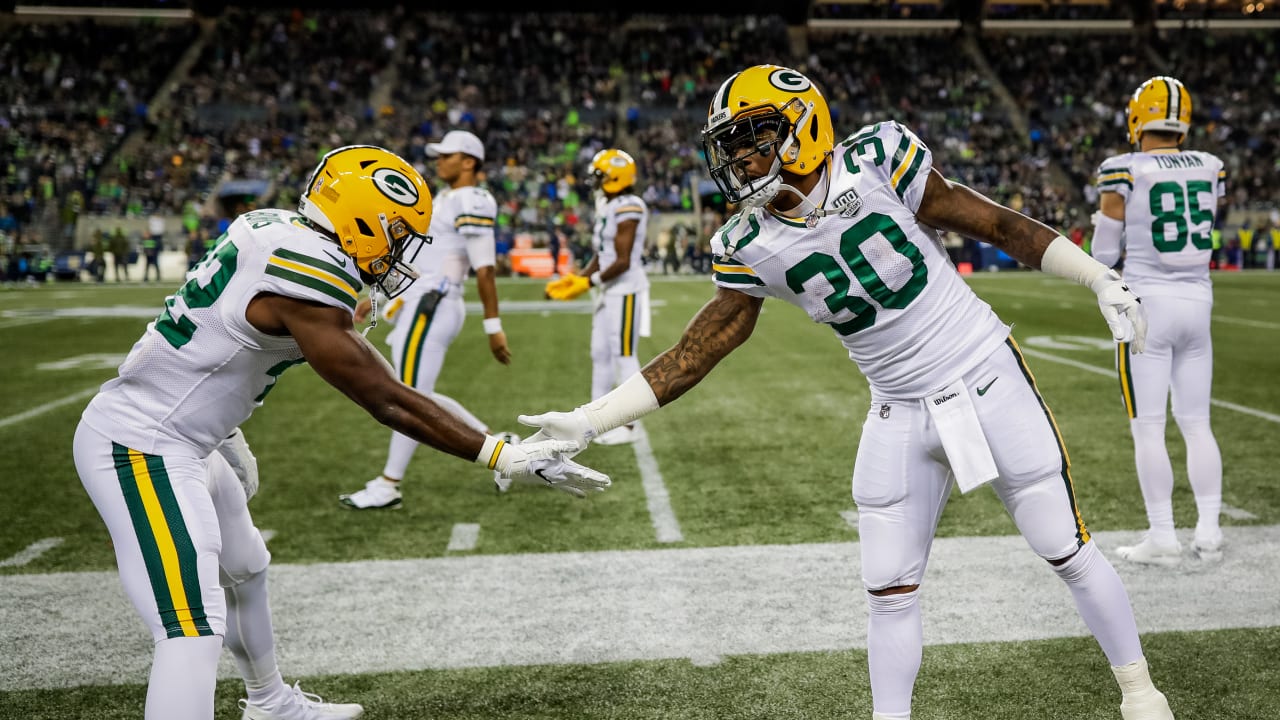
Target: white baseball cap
[(456, 141)]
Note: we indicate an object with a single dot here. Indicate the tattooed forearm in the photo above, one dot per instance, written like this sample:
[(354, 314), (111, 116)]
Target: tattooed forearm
[(724, 323), (952, 206)]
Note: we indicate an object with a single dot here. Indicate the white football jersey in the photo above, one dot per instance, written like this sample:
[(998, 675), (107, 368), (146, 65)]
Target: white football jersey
[(200, 368), (609, 213), (1170, 200), (462, 221), (869, 269)]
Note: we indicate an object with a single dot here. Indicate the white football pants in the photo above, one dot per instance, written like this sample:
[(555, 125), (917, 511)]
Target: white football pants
[(615, 330), (1178, 361)]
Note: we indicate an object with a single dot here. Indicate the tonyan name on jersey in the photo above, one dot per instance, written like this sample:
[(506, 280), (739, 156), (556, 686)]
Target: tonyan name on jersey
[(1170, 200), (217, 366), (609, 214), (869, 269)]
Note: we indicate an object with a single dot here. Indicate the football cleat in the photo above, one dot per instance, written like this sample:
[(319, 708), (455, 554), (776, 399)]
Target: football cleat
[(1150, 705), (299, 705), (1149, 552), (501, 483), (378, 494), (1208, 549)]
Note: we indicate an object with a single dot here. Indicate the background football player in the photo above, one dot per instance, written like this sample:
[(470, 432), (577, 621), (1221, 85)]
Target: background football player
[(1157, 208), (430, 314), (849, 234), (622, 314), (277, 290)]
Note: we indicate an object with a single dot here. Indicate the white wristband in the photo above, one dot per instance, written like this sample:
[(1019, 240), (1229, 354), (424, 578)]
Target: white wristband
[(493, 454), (1064, 259), (492, 326), (595, 279), (632, 399)]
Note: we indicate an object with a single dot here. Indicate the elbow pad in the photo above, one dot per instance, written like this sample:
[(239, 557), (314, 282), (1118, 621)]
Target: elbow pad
[(1108, 239)]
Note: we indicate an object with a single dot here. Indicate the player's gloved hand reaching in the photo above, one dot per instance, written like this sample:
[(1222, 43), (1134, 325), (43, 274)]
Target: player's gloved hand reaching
[(573, 427), (540, 461), (1121, 309)]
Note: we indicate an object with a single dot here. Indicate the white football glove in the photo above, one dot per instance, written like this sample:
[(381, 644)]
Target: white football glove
[(1122, 310), (572, 426), (546, 462), (237, 454)]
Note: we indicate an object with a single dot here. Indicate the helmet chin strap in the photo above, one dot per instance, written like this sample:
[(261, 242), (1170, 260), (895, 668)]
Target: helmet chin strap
[(373, 313)]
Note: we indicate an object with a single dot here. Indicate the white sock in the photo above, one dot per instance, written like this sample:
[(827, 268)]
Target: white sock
[(1204, 470), (1103, 603), (1155, 476), (251, 639), (399, 455), (895, 645), (184, 672), (888, 716), (455, 408), (602, 376)]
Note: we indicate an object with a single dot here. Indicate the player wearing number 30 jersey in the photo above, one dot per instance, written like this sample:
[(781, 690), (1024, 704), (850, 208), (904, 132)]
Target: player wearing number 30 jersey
[(848, 233)]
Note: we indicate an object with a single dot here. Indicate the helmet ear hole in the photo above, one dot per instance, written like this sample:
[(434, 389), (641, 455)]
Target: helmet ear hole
[(813, 129), (364, 227)]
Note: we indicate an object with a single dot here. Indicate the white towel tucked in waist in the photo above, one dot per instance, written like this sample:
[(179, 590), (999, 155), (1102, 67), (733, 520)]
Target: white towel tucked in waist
[(962, 438)]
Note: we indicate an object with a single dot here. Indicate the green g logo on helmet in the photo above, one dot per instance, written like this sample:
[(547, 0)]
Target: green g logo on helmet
[(789, 80), (398, 188)]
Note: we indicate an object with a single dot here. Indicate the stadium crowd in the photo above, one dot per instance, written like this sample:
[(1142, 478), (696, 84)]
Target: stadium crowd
[(86, 127)]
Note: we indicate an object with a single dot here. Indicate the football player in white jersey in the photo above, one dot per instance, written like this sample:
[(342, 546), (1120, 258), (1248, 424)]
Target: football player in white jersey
[(429, 315), (622, 313), (849, 233), (1157, 208), (158, 451)]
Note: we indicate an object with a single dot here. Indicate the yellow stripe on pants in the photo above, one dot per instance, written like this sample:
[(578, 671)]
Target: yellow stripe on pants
[(164, 541)]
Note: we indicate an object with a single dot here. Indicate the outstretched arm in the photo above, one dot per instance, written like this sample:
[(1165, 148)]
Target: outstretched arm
[(952, 206), (344, 359), (724, 323)]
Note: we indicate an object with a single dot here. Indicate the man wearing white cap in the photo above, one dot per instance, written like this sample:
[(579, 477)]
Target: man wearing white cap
[(429, 315)]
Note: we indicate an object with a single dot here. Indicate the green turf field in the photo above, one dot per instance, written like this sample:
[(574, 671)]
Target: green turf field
[(760, 454)]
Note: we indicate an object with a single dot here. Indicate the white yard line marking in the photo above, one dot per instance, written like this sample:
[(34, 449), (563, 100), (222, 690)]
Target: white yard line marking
[(655, 490), (850, 517), (618, 606), (464, 536), (31, 552), (1248, 322), (42, 409), (1109, 372), (1236, 513)]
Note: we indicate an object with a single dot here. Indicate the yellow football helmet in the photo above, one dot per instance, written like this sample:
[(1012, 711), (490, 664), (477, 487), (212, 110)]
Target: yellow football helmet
[(612, 170), (761, 110), (377, 206), (1161, 103)]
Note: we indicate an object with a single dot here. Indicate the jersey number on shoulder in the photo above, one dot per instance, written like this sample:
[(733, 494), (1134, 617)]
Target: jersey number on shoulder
[(208, 279), (1169, 206), (863, 272)]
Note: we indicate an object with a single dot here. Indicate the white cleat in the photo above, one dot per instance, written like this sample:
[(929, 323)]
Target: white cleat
[(1151, 705), (618, 436), (299, 705), (1149, 552), (378, 494), (1208, 549)]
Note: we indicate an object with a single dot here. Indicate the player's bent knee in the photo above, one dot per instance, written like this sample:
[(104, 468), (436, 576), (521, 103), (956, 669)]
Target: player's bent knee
[(235, 568), (895, 590)]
